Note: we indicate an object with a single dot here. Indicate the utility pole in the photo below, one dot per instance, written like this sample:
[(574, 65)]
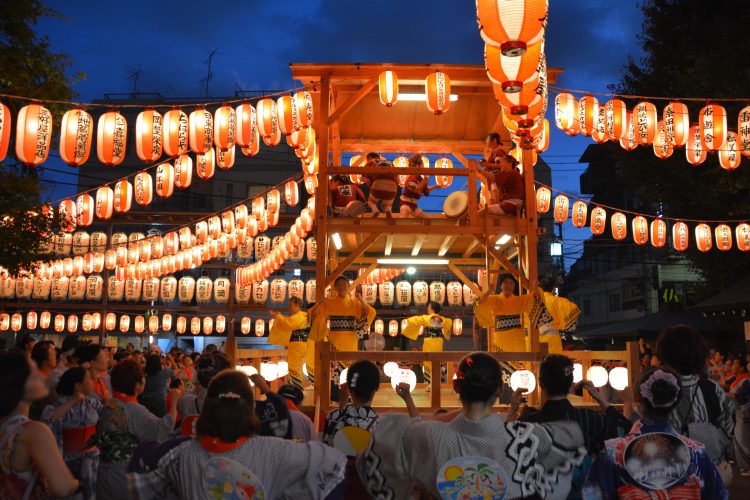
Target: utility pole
[(204, 82)]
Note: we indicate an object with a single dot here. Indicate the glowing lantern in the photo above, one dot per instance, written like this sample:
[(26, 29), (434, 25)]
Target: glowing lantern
[(438, 90), (379, 329), (512, 26), (561, 208), (67, 211), (42, 288), (619, 225), (645, 119), (262, 246), (208, 325), (743, 130), (712, 123), (205, 164), (598, 220), (597, 375), (123, 196), (468, 295), (273, 201), (225, 127), (115, 289), (72, 323), (588, 114), (310, 291), (311, 249), (201, 130), (618, 378), (111, 138), (33, 134), (204, 287), (110, 322), (703, 238), (388, 88), (680, 236), (165, 180), (291, 193), (195, 325), (662, 148), (16, 322), (221, 290), (454, 290), (694, 150), (221, 324), (267, 118), (183, 171), (579, 213), (151, 289), (148, 135), (153, 324), (59, 323), (76, 132), (260, 292), (629, 142), (311, 183), (245, 325), (393, 328), (599, 135), (458, 326), (247, 131), (386, 293), (729, 155), (260, 327), (565, 111), (523, 379), (288, 114), (5, 126), (524, 102), (437, 292), (242, 294), (616, 115), (742, 235), (543, 142), (444, 180), (676, 123), (31, 320), (723, 234), (305, 108), (175, 133), (133, 289), (94, 287), (81, 242), (278, 290), (508, 71), (4, 322), (144, 188), (224, 158), (640, 230), (658, 233), (181, 325), (186, 289), (404, 376)]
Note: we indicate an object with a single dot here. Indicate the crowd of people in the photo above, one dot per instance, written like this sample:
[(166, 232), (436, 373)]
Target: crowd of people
[(84, 421)]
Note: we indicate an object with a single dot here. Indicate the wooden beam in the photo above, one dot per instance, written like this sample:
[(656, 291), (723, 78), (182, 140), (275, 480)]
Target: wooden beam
[(460, 275), (456, 172), (411, 145), (460, 157), (353, 255), (470, 249), (388, 244), (362, 276), (418, 242), (508, 265), (353, 100), (446, 244), (372, 226)]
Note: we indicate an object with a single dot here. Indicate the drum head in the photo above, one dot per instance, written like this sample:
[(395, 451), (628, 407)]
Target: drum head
[(353, 209), (455, 204)]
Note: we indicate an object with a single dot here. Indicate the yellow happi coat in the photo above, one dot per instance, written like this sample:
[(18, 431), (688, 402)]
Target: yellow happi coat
[(564, 315), (292, 332), (506, 315), (436, 328), (337, 319)]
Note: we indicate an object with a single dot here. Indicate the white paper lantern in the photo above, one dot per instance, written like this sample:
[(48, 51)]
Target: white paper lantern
[(77, 288), (278, 290), (94, 287), (133, 289), (386, 293), (618, 378), (269, 371), (98, 241), (454, 291), (168, 288), (59, 288), (63, 244), (390, 368), (260, 327), (523, 379), (8, 288), (81, 241), (283, 368), (24, 287), (421, 292), (115, 289), (150, 289), (186, 289), (248, 370), (312, 249), (370, 293), (260, 292), (469, 295), (203, 289), (598, 376), (245, 249), (310, 291), (42, 287), (404, 376), (221, 290), (297, 289), (276, 241), (299, 252), (262, 247), (577, 372), (242, 294), (393, 328)]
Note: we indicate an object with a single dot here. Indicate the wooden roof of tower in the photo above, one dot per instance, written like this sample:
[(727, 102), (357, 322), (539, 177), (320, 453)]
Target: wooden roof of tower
[(408, 126)]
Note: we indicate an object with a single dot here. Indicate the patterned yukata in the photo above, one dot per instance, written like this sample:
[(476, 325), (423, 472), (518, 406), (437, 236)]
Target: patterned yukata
[(564, 315), (292, 332), (526, 459), (15, 484), (436, 328), (73, 433), (653, 461), (741, 393), (349, 416)]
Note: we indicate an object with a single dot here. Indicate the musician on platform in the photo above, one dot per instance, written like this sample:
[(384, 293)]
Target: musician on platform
[(436, 328), (292, 331), (347, 199), (415, 187), (506, 185), (383, 187)]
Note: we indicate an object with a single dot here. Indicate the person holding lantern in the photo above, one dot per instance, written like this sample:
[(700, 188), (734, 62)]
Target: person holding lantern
[(436, 328), (415, 187), (564, 315), (292, 331), (506, 186)]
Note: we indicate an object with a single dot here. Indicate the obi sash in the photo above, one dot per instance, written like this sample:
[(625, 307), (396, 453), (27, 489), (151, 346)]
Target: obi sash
[(299, 335), (74, 440), (510, 322), (342, 323)]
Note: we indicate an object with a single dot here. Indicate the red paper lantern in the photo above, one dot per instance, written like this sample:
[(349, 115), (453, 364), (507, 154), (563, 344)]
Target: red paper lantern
[(508, 71), (712, 123), (148, 135), (225, 158), (437, 87), (588, 114), (742, 235), (630, 141), (565, 111), (165, 180), (143, 186), (298, 138), (729, 155), (205, 164), (268, 124), (598, 220), (543, 198), (85, 208), (123, 196), (76, 131), (288, 114), (703, 238), (640, 230), (5, 126), (225, 127), (676, 123), (579, 213), (305, 108), (645, 119), (616, 114), (201, 130), (175, 132), (181, 324), (662, 148), (680, 236), (723, 234), (183, 171), (658, 233), (521, 102), (67, 211), (619, 224), (694, 149), (33, 134), (388, 88), (561, 208), (111, 138), (247, 129), (512, 26), (599, 135)]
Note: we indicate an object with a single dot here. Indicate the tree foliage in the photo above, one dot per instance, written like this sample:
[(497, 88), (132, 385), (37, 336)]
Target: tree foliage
[(29, 69), (692, 48)]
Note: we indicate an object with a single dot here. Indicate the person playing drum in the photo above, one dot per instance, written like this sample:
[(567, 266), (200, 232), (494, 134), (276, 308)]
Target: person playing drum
[(507, 181), (415, 187), (347, 199), (383, 187)]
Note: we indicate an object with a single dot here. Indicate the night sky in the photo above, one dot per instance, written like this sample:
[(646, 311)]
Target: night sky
[(169, 42)]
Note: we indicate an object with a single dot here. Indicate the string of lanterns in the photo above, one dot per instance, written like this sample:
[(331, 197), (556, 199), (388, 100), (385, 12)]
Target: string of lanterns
[(437, 88), (644, 228), (644, 126)]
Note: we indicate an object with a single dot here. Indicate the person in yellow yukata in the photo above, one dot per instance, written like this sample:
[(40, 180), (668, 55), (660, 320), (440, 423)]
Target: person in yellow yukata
[(292, 331), (564, 315), (436, 328), (338, 319)]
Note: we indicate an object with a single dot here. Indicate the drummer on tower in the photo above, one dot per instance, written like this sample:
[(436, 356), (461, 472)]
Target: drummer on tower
[(347, 199), (415, 187), (506, 182), (383, 187)]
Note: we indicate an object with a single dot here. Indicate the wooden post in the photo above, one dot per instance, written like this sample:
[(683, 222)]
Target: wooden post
[(531, 236), (435, 383), (472, 189), (633, 362)]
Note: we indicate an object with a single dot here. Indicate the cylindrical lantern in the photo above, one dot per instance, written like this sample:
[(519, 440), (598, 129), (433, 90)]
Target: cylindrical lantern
[(94, 287), (310, 291), (543, 197), (262, 247), (421, 293), (742, 235), (111, 138), (403, 293), (579, 213), (195, 325), (588, 114), (680, 236), (676, 123), (598, 220), (225, 127), (33, 134), (268, 125), (703, 239), (438, 90), (208, 325), (183, 171), (393, 328), (201, 131), (458, 326), (630, 141), (468, 295), (205, 164), (712, 123), (378, 327), (616, 118), (221, 290), (181, 325), (72, 323), (645, 118), (278, 290), (437, 292), (143, 188), (224, 158), (640, 230), (260, 327), (260, 292), (658, 233), (59, 323), (175, 133), (153, 323), (565, 111), (165, 180), (5, 126), (245, 325), (76, 132), (694, 149), (729, 154), (148, 135), (288, 114), (123, 196), (203, 289), (512, 26), (723, 234), (662, 148), (561, 208), (388, 88), (454, 291), (16, 322), (386, 293), (110, 322), (186, 289)]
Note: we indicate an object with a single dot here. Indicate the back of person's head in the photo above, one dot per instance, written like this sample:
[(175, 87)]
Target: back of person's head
[(494, 137), (435, 307), (228, 412), (125, 376), (372, 156), (40, 352), (683, 349), (209, 349), (14, 370), (363, 380), (556, 374), (23, 341), (87, 352), (659, 391), (547, 284), (478, 379), (120, 355), (415, 160), (210, 365), (293, 393), (68, 380), (69, 344), (153, 364), (296, 301)]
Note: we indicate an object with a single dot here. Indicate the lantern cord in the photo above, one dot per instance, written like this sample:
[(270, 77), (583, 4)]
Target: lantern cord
[(630, 212), (655, 98)]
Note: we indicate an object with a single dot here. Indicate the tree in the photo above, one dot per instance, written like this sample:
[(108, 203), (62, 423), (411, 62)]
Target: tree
[(692, 48), (30, 69)]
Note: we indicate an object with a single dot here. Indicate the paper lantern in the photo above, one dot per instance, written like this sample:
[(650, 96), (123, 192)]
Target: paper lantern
[(59, 323), (645, 119), (111, 138), (168, 288), (579, 213), (205, 164), (468, 295), (712, 124), (203, 288), (221, 324), (680, 236), (421, 293), (310, 291), (458, 326), (33, 134), (260, 292), (67, 211), (543, 197), (512, 26), (42, 288), (588, 114), (221, 290), (565, 111), (694, 149), (133, 289), (443, 180), (523, 379), (630, 141), (598, 376), (165, 180), (616, 115), (454, 291), (288, 114), (110, 321), (183, 171), (81, 241), (703, 239), (16, 322), (224, 158), (619, 223), (561, 208), (208, 325), (291, 193), (242, 294), (599, 134), (175, 133), (76, 131), (404, 376), (262, 247), (245, 325), (77, 288), (598, 220), (305, 108), (386, 293), (153, 324), (278, 290), (618, 378), (311, 183), (260, 327), (115, 289), (438, 90), (225, 127), (388, 88), (268, 125), (24, 287), (148, 135), (200, 130), (658, 233), (511, 72), (723, 234), (72, 323), (742, 235), (729, 155), (94, 287), (526, 101), (123, 196), (378, 328), (393, 328), (743, 130), (5, 126), (662, 148), (195, 325), (181, 325), (403, 293), (640, 230), (150, 289), (247, 130), (4, 322), (370, 293), (676, 123), (273, 201), (186, 289), (437, 292)]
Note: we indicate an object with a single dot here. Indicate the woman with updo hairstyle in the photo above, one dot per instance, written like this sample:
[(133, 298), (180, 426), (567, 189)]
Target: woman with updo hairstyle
[(362, 382), (433, 454), (227, 456), (654, 459)]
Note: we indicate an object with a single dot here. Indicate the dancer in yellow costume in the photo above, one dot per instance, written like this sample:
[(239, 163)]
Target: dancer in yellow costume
[(436, 328), (564, 315), (292, 331), (338, 318)]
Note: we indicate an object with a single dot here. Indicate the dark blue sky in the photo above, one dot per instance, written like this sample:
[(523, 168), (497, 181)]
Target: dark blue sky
[(169, 41)]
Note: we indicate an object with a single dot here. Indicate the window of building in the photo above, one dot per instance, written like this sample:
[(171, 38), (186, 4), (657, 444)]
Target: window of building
[(615, 302), (587, 308)]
